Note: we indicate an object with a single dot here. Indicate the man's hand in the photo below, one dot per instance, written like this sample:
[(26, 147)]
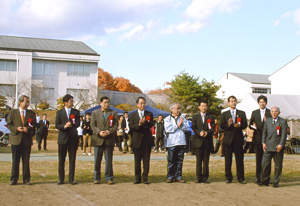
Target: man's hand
[(205, 134), (230, 122), (20, 129), (237, 125), (264, 147), (180, 122), (279, 148), (25, 129), (202, 133), (254, 125), (102, 133), (68, 124)]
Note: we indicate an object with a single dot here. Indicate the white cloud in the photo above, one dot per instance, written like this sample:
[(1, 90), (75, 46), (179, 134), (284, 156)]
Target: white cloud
[(183, 28), (121, 27), (139, 32), (276, 23), (102, 43)]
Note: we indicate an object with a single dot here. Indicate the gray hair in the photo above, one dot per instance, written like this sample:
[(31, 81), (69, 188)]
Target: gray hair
[(22, 97), (276, 108), (173, 104)]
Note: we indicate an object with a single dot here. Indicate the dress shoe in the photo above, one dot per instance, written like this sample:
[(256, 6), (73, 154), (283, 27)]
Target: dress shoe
[(137, 181), (263, 184), (275, 185), (131, 152), (146, 182), (228, 181), (60, 182), (110, 182), (169, 180), (73, 182), (13, 183), (206, 182), (97, 182), (198, 181), (180, 181), (257, 181), (124, 152), (242, 182), (27, 183)]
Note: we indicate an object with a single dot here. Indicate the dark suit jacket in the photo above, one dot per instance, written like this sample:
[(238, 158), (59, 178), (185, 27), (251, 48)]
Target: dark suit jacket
[(14, 121), (198, 125), (231, 133), (256, 117), (141, 133), (98, 124), (65, 134), (43, 129), (270, 137)]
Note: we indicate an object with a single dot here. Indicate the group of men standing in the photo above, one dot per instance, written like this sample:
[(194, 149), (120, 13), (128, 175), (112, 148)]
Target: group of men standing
[(268, 140)]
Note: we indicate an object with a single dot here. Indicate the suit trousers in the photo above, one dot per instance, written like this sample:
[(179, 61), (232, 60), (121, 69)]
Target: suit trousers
[(175, 161), (202, 162), (266, 166), (62, 153), (125, 140), (19, 151), (40, 139), (142, 153), (239, 159), (159, 143), (258, 156), (108, 154)]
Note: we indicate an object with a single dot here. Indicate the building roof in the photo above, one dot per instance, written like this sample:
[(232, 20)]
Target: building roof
[(45, 45), (253, 78)]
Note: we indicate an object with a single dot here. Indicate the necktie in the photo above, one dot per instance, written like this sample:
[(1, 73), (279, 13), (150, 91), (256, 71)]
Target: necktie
[(274, 121), (203, 118), (22, 116), (45, 122), (104, 115), (68, 113), (141, 115), (233, 117)]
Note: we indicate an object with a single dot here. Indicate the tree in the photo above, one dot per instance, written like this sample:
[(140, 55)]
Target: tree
[(124, 85), (106, 80), (158, 91), (2, 101), (125, 107), (43, 106), (60, 103), (186, 90)]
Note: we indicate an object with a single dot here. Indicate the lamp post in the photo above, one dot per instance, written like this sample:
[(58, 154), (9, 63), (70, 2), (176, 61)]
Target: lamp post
[(17, 78)]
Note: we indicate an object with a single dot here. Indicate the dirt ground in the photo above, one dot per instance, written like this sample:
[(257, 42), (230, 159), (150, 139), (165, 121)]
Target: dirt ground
[(124, 192)]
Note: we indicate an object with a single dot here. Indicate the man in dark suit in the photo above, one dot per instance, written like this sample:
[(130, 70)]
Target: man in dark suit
[(21, 122), (43, 127), (257, 121), (233, 122), (104, 124), (203, 125), (67, 120), (273, 141), (140, 124)]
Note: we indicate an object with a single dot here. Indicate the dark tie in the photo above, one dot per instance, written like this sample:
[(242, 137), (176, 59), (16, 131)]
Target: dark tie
[(104, 115), (274, 121)]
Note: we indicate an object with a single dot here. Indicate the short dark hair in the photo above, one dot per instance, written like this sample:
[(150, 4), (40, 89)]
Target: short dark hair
[(67, 97), (233, 97), (262, 97), (125, 112), (138, 99), (103, 98), (22, 97), (88, 114), (203, 101), (45, 115)]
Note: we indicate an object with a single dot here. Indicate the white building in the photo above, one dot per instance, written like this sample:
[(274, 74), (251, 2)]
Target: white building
[(286, 79), (239, 85), (56, 66)]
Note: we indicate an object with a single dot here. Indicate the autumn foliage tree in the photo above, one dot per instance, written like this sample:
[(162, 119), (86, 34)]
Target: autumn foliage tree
[(107, 82)]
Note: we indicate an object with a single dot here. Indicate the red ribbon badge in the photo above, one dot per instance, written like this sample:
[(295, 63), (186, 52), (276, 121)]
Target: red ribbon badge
[(148, 118), (72, 116), (29, 122), (208, 123), (111, 118), (239, 120), (278, 130)]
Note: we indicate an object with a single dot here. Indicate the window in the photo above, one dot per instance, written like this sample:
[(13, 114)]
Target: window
[(260, 90), (79, 94), (8, 65), (78, 70), (43, 68), (7, 90), (48, 93)]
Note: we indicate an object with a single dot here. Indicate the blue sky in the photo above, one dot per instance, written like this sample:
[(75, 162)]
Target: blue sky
[(150, 41)]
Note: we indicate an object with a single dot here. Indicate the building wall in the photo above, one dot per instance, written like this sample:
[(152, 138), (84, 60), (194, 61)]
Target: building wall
[(286, 79), (59, 80), (232, 85)]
